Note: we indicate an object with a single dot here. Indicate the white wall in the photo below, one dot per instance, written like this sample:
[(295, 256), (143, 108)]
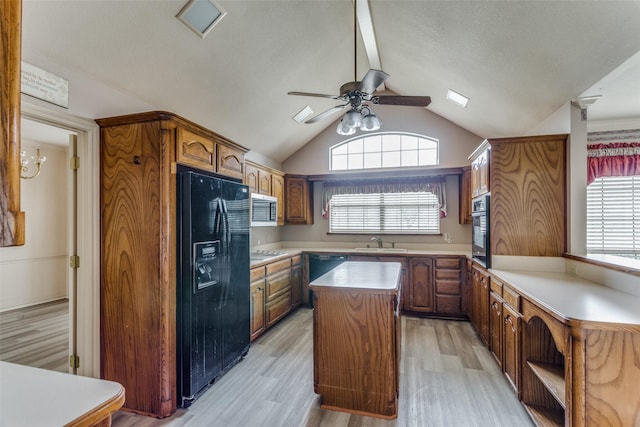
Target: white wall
[(37, 272)]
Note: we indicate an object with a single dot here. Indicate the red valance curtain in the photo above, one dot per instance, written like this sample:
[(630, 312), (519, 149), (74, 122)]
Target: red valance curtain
[(613, 153)]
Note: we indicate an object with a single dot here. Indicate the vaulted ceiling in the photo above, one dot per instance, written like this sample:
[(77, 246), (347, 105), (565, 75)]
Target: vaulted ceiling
[(518, 61)]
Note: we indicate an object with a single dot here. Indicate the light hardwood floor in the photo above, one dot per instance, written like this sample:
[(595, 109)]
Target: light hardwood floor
[(37, 336), (448, 378)]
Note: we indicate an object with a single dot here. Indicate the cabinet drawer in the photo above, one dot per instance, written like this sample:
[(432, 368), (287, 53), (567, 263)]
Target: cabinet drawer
[(453, 263), (277, 266), (278, 309), (450, 287), (195, 150), (448, 274), (401, 260), (296, 260), (511, 297), (277, 285), (448, 304), (256, 274), (496, 286)]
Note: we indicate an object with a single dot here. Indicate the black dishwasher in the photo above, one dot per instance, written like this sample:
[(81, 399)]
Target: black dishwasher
[(320, 264)]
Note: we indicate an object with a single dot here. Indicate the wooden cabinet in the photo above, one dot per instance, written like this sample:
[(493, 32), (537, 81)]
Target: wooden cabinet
[(511, 345), (448, 280), (138, 154), (277, 191), (257, 302), (278, 291), (296, 281), (230, 162), (263, 180), (420, 295), (480, 174), (464, 196), (299, 200), (495, 327), (480, 311), (350, 374), (528, 196)]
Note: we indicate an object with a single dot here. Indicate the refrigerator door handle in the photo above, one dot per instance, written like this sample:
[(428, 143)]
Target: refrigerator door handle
[(226, 241)]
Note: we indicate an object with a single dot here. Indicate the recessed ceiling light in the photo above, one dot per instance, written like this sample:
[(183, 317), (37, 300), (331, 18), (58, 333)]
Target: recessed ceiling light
[(303, 114), (201, 16), (459, 99)]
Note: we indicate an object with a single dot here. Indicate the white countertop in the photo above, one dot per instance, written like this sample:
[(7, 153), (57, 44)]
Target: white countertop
[(574, 298), (361, 275), (33, 397)]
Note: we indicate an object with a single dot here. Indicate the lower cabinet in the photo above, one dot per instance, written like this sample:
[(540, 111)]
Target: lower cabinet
[(420, 295), (480, 301), (511, 346), (276, 289), (495, 327)]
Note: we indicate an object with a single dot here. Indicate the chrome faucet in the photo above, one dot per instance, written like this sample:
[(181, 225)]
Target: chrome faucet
[(377, 239)]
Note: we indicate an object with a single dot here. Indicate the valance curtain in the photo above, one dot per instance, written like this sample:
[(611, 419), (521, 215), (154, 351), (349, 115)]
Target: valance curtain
[(436, 187), (613, 153)]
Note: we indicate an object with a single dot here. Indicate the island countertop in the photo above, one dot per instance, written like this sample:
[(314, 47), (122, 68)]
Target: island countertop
[(372, 276)]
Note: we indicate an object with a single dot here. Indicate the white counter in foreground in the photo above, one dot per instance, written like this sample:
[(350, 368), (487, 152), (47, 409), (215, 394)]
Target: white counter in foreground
[(361, 275), (33, 397)]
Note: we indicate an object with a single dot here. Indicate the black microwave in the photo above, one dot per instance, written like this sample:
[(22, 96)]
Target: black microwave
[(264, 210)]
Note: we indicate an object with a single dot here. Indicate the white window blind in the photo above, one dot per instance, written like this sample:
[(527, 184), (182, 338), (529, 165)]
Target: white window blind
[(613, 216), (385, 213)]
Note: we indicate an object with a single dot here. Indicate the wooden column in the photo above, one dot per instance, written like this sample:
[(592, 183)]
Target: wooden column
[(11, 218)]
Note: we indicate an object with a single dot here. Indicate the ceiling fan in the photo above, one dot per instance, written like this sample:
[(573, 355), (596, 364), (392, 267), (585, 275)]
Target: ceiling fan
[(359, 95)]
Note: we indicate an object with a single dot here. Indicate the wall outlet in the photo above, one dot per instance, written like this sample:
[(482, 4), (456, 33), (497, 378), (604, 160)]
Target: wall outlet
[(447, 237), (258, 242)]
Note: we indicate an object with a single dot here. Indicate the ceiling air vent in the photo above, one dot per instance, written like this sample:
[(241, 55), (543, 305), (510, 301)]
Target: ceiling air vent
[(201, 16)]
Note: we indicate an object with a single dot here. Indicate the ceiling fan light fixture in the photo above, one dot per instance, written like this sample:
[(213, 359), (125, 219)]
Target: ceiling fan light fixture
[(344, 129), (370, 123), (353, 119)]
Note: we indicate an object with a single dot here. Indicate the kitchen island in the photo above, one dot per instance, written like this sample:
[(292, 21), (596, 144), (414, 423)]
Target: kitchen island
[(356, 338)]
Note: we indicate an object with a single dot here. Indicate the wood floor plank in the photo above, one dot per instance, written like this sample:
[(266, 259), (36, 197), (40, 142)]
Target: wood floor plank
[(454, 383)]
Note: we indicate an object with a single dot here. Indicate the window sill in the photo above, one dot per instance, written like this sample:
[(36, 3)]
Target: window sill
[(616, 263)]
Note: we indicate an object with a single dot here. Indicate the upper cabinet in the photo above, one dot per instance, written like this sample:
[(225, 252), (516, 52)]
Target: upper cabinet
[(464, 186), (528, 196), (299, 199), (265, 180), (480, 174)]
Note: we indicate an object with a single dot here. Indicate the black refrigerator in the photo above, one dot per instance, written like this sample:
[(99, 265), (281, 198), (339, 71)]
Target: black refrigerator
[(213, 280)]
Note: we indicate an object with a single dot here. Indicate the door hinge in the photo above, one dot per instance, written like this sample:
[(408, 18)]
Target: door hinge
[(74, 261), (75, 163), (74, 361)]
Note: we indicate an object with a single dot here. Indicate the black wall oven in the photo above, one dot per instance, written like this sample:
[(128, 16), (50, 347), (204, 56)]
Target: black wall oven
[(480, 245)]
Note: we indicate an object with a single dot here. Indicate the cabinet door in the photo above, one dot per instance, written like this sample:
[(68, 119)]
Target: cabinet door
[(264, 182), (511, 336), (448, 275), (230, 162), (420, 298), (195, 150), (251, 177), (257, 309), (465, 197), (277, 191), (481, 302), (299, 201), (495, 327), (296, 284)]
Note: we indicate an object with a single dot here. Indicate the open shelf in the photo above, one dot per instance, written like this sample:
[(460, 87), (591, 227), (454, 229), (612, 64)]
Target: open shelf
[(552, 376), (545, 417)]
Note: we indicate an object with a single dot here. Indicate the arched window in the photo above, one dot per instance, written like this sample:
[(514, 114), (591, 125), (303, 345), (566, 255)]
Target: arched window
[(384, 150)]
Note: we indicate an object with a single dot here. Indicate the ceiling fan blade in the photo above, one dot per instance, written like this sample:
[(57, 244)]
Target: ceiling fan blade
[(408, 101), (317, 95), (327, 113), (372, 80)]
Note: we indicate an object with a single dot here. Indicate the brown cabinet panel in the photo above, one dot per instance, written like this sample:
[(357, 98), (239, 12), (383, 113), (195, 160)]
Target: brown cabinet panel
[(480, 174), (449, 263), (464, 198), (298, 200), (495, 327), (264, 182), (277, 309), (230, 162), (296, 283), (511, 355), (277, 266), (195, 150), (448, 287), (480, 301), (420, 297), (278, 284), (277, 191), (528, 192), (251, 177), (257, 309), (448, 304)]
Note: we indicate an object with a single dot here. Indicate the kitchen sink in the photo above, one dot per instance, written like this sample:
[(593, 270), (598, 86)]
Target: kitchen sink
[(388, 250)]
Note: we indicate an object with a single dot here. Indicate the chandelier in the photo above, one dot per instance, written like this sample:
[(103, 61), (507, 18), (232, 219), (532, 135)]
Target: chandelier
[(38, 160)]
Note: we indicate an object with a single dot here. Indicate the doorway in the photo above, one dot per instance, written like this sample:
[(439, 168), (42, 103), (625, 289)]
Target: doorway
[(78, 235)]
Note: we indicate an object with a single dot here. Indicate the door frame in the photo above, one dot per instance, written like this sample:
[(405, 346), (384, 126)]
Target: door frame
[(88, 229)]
